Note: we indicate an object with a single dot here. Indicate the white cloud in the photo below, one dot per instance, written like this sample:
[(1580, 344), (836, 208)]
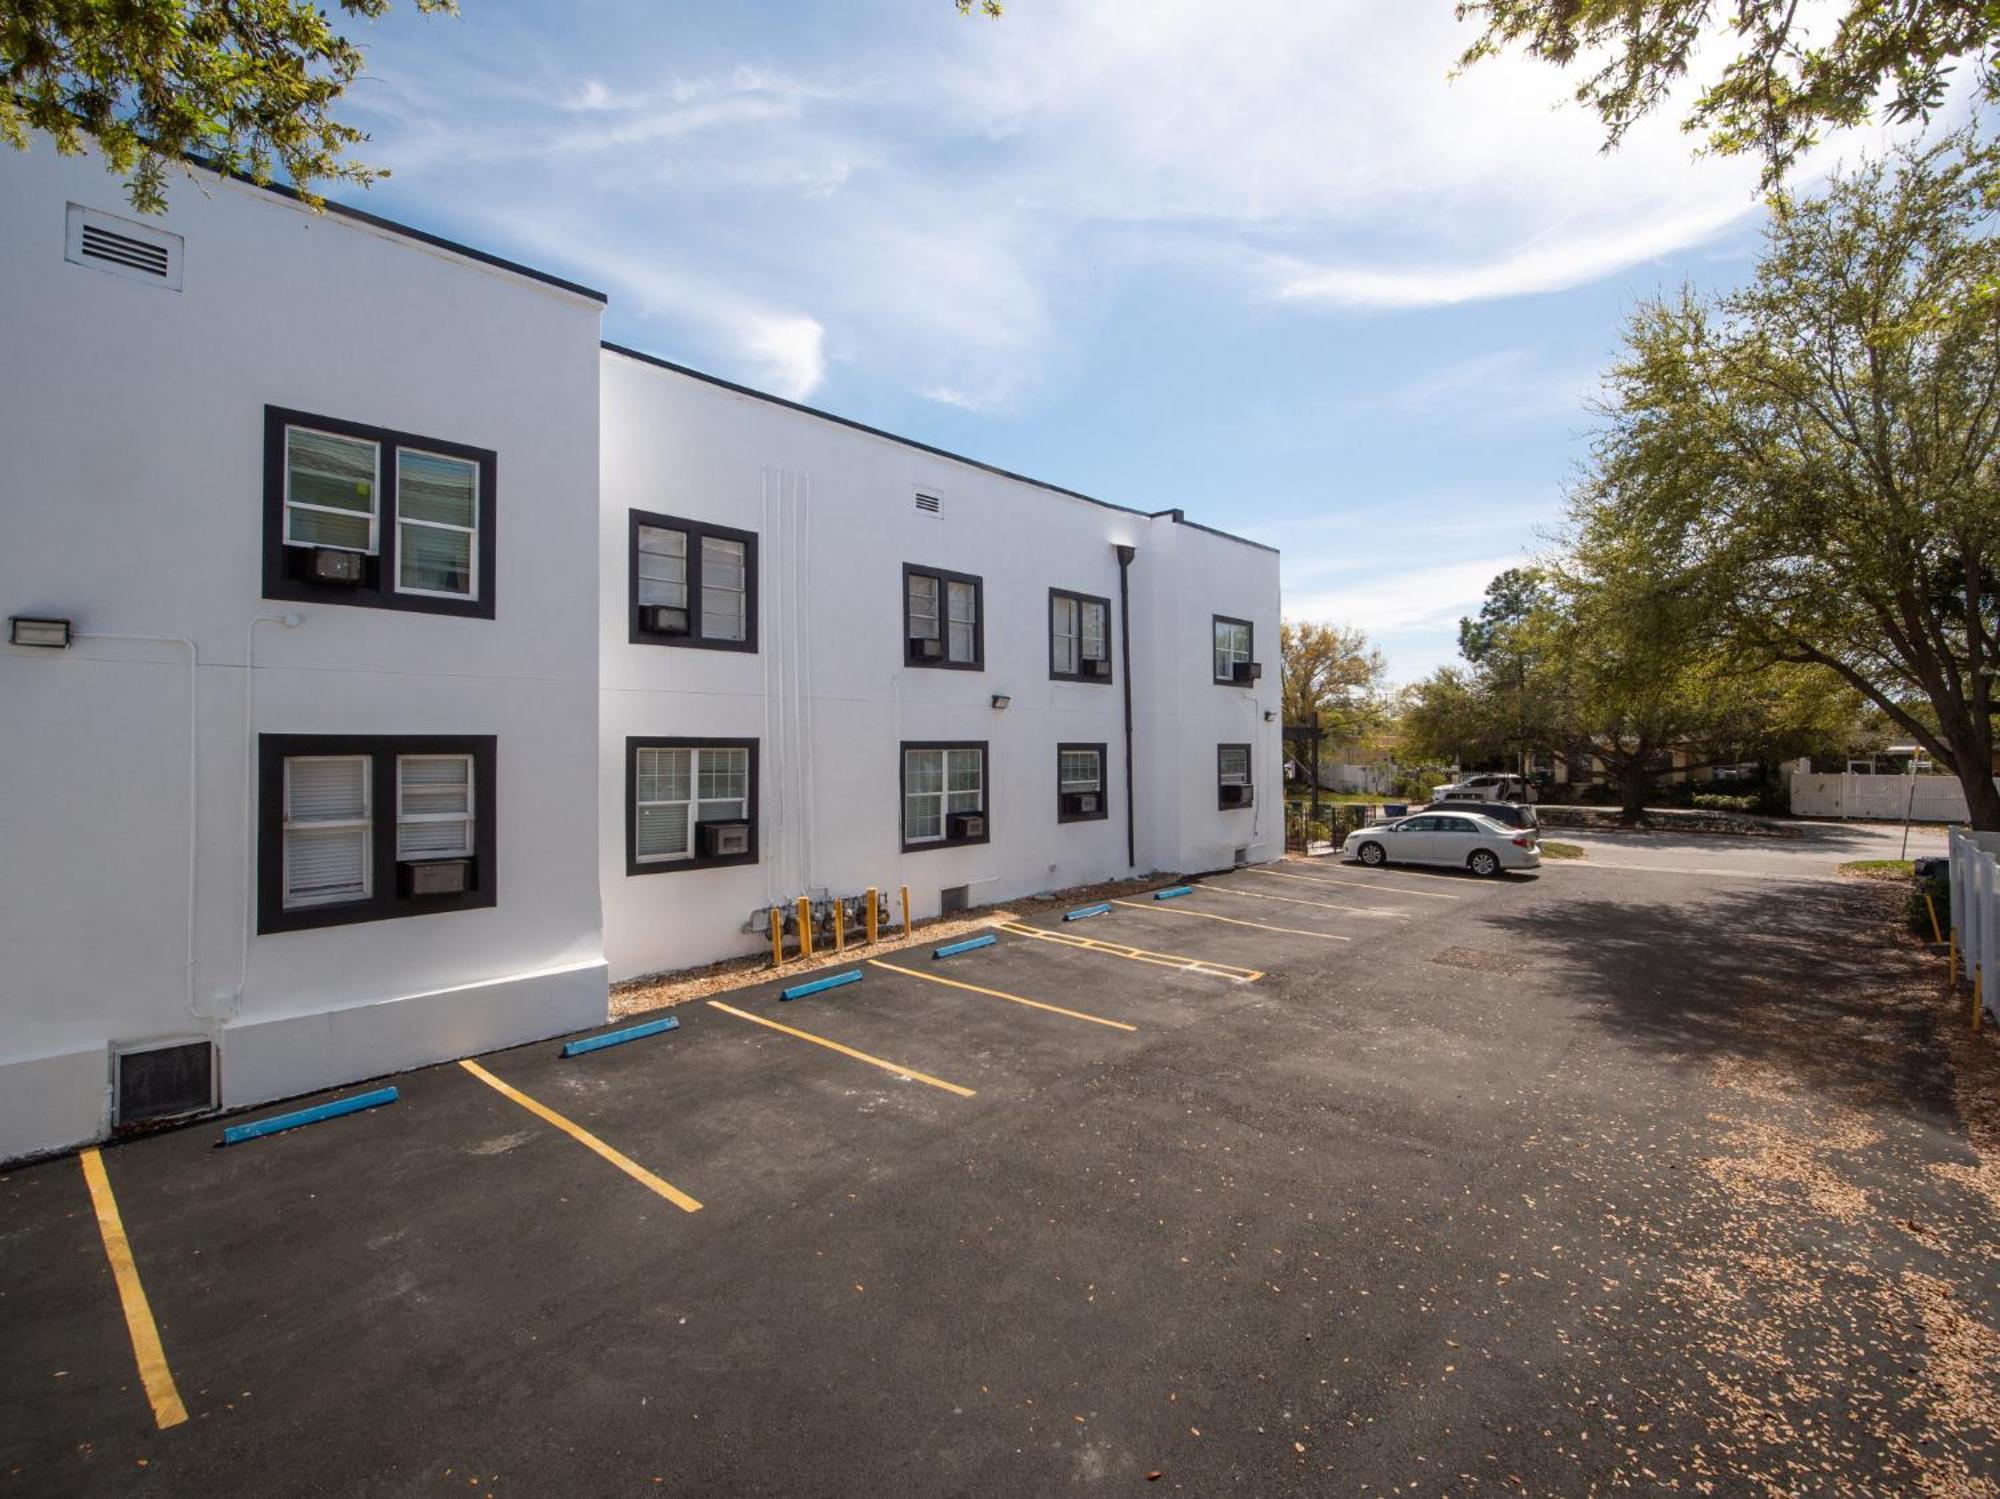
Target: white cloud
[(950, 205), (1393, 597)]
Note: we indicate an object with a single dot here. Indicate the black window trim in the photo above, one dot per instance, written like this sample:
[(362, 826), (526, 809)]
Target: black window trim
[(635, 743), (903, 786), (1110, 648), (1227, 619), (1103, 812), (946, 576), (380, 593), (1249, 771), (696, 530), (384, 903)]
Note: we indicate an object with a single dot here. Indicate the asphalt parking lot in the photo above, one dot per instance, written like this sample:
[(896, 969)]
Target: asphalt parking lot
[(1316, 1180)]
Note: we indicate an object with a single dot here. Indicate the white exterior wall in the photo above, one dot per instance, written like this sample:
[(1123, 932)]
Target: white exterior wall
[(830, 701), (131, 442)]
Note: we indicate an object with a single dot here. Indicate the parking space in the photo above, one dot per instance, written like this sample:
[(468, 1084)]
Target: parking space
[(502, 1203)]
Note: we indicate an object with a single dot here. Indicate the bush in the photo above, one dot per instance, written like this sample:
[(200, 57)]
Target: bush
[(1415, 785), (1938, 888), (1709, 801)]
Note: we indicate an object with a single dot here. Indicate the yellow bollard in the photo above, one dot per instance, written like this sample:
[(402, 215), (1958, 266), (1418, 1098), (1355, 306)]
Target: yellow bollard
[(1954, 958), (872, 913), (805, 927), (906, 910), (1936, 934), (839, 927), (777, 936), (1978, 997)]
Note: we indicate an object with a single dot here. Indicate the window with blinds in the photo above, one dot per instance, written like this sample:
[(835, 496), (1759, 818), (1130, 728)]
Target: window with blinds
[(433, 806), (676, 786), (693, 584), (940, 781), (369, 517), (365, 827), (1232, 647), (1233, 764), (328, 830)]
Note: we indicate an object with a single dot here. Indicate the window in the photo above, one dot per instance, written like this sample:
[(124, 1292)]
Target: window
[(944, 794), (689, 804), (942, 619), (364, 516), (1233, 641), (692, 584), (1079, 637), (1080, 793), (1232, 775), (368, 827)]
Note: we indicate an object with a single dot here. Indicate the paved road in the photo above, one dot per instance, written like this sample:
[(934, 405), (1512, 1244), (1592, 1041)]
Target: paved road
[(1816, 852), (1606, 1179)]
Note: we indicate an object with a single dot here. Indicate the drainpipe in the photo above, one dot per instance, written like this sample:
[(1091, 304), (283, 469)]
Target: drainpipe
[(1125, 556)]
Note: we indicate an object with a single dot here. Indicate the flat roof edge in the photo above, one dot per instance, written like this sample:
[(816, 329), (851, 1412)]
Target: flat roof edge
[(406, 231), (923, 447)]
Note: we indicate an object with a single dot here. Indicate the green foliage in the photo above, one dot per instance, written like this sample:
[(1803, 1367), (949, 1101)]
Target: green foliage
[(1918, 911), (1511, 599), (247, 85), (1708, 801), (1331, 675), (1785, 83), (1814, 460)]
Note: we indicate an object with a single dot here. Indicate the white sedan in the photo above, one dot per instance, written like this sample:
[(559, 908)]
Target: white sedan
[(1461, 840)]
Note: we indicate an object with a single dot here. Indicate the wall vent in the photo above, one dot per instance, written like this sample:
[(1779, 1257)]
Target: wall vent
[(953, 899), (162, 1082), (930, 504), (135, 251)]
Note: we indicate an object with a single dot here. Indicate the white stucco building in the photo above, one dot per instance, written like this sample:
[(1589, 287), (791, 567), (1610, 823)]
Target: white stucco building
[(390, 666)]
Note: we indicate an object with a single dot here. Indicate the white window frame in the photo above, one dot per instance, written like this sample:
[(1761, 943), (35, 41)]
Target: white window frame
[(1222, 774), (694, 801), (954, 590), (374, 494), (465, 817), (1070, 640), (1227, 655), (364, 824), (741, 592), (687, 572), (471, 531), (943, 795), (1096, 782)]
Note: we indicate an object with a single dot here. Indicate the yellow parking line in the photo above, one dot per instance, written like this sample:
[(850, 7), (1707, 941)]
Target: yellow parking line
[(933, 978), (1291, 931), (1293, 900), (1137, 954), (1313, 879), (586, 1139), (146, 1349), (846, 1051)]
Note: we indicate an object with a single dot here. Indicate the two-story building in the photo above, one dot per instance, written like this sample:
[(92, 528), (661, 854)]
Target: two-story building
[(391, 665)]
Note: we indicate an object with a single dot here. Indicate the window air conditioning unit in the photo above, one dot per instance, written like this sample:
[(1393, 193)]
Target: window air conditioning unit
[(333, 565), (663, 619), (926, 648), (1237, 794), (433, 877), (1097, 666), (965, 825), (1079, 802), (162, 1081), (721, 840), (1247, 671)]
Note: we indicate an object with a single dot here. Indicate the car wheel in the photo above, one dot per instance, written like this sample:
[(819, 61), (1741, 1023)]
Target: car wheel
[(1483, 862), (1371, 854)]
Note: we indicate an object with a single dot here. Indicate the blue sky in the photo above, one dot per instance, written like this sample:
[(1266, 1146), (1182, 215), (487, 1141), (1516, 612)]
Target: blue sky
[(1263, 260)]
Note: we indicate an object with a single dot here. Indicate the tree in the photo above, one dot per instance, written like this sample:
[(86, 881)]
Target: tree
[(1498, 644), (1786, 80), (1332, 677), (242, 86), (1816, 458)]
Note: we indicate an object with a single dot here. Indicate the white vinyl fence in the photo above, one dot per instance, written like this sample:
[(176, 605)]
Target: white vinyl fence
[(1888, 798), (1975, 910)]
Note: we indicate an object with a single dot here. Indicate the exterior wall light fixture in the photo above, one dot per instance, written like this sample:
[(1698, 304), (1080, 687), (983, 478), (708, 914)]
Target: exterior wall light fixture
[(1001, 700), (22, 630)]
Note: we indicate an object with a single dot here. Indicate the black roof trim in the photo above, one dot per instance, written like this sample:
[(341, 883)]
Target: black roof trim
[(922, 447), (422, 236)]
